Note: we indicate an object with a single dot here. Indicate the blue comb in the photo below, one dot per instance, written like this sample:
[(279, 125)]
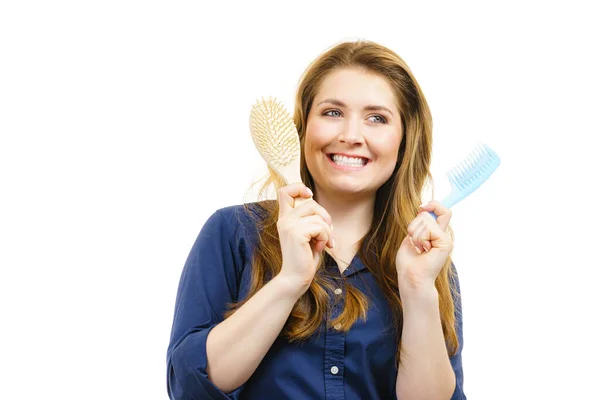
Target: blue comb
[(468, 175)]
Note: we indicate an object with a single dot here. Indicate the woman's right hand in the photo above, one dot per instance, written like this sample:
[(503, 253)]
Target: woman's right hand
[(304, 231)]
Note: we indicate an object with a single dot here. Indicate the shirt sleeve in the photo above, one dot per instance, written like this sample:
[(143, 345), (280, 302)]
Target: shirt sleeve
[(456, 360), (208, 282)]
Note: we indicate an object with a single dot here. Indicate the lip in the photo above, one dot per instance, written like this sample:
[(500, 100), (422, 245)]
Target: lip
[(343, 167)]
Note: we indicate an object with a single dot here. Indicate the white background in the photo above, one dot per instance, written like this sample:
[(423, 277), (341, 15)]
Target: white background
[(124, 125)]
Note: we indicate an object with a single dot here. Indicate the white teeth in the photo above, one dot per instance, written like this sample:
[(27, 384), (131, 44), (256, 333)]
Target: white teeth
[(348, 161)]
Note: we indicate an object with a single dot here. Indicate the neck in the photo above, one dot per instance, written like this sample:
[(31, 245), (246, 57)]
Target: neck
[(351, 214)]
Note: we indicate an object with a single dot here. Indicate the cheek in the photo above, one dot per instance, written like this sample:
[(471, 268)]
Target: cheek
[(316, 135), (312, 145), (387, 147), (387, 153)]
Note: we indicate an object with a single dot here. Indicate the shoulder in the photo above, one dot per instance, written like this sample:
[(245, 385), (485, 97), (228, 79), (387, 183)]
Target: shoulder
[(246, 213), (239, 224), (243, 216)]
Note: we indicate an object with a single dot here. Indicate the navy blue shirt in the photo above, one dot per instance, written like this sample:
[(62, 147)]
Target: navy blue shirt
[(355, 365)]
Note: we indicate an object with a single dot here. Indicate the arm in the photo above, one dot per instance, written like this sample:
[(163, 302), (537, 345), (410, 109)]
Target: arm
[(425, 371), (208, 282), (237, 345), (434, 334), (204, 358)]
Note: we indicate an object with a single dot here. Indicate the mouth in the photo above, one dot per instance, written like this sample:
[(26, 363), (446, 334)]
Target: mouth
[(345, 161)]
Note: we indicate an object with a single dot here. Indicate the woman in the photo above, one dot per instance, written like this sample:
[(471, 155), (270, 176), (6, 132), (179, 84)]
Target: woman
[(264, 312)]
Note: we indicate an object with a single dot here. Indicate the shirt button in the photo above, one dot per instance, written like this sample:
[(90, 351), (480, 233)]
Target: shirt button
[(337, 327), (334, 370), (337, 291)]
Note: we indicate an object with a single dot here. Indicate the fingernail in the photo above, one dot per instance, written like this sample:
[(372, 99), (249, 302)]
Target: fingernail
[(309, 191), (331, 225), (332, 242), (417, 250)]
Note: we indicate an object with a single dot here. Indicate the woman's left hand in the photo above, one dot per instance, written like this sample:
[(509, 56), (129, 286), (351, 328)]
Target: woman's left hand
[(425, 249)]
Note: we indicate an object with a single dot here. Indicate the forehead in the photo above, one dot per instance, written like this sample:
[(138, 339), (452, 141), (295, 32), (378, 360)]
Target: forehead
[(357, 87)]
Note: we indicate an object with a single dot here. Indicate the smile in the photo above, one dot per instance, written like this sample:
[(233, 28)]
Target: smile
[(347, 162)]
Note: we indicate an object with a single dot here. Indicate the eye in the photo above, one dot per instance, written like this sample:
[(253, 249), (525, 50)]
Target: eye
[(382, 119), (330, 111)]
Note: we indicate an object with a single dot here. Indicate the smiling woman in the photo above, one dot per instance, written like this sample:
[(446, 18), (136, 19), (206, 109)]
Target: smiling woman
[(263, 312)]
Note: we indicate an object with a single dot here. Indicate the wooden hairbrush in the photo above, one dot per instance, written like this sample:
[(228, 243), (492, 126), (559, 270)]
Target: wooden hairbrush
[(276, 138)]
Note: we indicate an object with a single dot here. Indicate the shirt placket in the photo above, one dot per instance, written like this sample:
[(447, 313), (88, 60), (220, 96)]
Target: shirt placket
[(334, 352)]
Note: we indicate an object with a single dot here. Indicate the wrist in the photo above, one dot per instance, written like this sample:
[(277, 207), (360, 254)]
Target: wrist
[(290, 287), (426, 295)]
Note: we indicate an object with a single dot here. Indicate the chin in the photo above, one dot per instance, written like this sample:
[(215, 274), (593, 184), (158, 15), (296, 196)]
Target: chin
[(348, 189)]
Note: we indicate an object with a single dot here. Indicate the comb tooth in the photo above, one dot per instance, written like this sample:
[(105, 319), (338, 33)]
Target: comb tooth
[(454, 177), (482, 156), (488, 153), (473, 161), (460, 175), (468, 174), (486, 158), (492, 155), (480, 160)]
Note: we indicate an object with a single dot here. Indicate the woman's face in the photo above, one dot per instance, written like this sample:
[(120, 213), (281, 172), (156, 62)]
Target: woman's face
[(353, 133)]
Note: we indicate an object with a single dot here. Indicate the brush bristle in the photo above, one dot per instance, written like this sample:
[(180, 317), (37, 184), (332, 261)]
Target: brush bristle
[(274, 133)]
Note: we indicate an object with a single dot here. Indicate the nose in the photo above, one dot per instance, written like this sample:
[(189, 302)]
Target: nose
[(351, 133)]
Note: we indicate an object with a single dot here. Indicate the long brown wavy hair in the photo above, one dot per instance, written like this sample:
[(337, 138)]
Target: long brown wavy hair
[(396, 205)]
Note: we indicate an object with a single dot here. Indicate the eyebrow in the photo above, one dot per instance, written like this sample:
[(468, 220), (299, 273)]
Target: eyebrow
[(367, 108)]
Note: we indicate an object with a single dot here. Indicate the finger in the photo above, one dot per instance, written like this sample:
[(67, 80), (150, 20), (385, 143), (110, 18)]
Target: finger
[(432, 235), (415, 224), (415, 239), (287, 194), (443, 213), (421, 238), (318, 232), (413, 244), (326, 229), (311, 207), (318, 246)]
